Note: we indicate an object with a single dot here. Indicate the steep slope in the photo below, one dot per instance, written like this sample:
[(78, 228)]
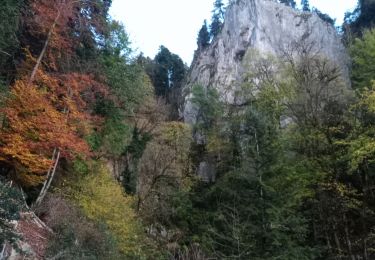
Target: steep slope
[(269, 28)]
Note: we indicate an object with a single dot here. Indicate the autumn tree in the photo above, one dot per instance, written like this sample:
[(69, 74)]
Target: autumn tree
[(51, 122)]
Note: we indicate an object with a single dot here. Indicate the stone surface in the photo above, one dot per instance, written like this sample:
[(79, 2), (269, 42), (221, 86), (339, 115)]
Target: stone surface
[(269, 28)]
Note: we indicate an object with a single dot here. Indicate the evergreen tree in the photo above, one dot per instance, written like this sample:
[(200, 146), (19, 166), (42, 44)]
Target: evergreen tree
[(324, 17), (203, 36), (10, 205), (363, 54), (217, 18), (290, 3), (305, 5), (9, 42), (363, 17), (167, 72), (219, 8)]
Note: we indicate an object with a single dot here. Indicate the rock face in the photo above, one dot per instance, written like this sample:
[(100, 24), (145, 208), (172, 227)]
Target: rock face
[(269, 28)]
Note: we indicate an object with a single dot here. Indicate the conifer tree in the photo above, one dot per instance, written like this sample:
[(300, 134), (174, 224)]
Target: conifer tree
[(203, 36), (305, 5), (290, 3), (217, 18)]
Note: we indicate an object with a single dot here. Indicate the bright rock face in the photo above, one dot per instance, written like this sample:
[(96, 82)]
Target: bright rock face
[(269, 28)]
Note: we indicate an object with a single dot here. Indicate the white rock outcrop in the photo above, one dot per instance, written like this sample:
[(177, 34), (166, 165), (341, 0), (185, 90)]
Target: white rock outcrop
[(269, 28)]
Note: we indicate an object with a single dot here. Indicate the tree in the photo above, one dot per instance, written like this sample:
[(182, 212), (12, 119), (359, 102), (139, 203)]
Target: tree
[(9, 42), (290, 3), (305, 5), (360, 19), (164, 172), (217, 18), (167, 72), (34, 129), (219, 8), (203, 36), (324, 17), (10, 205), (363, 55), (102, 199)]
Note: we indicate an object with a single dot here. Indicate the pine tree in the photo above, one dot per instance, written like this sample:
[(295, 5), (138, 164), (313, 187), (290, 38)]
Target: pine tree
[(290, 3), (203, 36), (219, 8), (215, 27), (217, 18), (305, 5)]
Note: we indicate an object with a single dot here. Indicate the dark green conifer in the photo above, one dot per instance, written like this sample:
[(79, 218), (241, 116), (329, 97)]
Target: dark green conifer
[(203, 36)]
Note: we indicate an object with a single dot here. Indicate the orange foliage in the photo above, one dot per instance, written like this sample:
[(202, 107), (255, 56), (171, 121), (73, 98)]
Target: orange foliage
[(56, 14), (33, 129), (49, 111)]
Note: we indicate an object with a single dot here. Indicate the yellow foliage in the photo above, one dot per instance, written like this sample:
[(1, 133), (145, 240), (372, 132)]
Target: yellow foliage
[(103, 200)]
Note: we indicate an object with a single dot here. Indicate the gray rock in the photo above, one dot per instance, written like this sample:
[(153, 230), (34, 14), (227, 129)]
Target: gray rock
[(269, 28)]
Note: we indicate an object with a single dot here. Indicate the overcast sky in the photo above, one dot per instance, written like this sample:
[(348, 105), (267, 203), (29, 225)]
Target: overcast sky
[(175, 23)]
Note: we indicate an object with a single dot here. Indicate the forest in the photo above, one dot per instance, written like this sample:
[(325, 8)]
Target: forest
[(97, 162)]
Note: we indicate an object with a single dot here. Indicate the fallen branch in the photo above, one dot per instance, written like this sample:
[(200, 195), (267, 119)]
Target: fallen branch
[(4, 52)]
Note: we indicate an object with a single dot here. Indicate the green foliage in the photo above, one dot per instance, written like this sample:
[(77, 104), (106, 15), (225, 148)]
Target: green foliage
[(208, 104), (361, 19), (203, 36), (11, 204), (166, 72), (129, 86), (363, 56), (164, 172), (117, 42), (305, 5), (9, 44), (290, 3), (217, 18)]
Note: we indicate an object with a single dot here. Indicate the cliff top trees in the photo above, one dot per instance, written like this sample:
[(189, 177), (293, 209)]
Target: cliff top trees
[(169, 71), (361, 18), (305, 5), (290, 3), (203, 36), (217, 18)]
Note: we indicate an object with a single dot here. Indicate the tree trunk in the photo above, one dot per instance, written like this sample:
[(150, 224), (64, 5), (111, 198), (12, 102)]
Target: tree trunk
[(41, 55), (2, 254), (337, 241), (49, 179), (348, 238)]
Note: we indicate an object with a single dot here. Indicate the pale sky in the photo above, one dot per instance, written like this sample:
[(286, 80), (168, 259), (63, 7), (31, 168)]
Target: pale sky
[(175, 23)]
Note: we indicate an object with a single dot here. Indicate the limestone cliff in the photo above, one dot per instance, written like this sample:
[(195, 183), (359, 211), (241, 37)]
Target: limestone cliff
[(269, 28)]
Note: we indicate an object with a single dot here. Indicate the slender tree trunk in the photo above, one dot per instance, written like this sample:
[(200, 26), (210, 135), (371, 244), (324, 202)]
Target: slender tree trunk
[(48, 181), (52, 169), (348, 238), (41, 55), (2, 254), (337, 241), (366, 191)]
